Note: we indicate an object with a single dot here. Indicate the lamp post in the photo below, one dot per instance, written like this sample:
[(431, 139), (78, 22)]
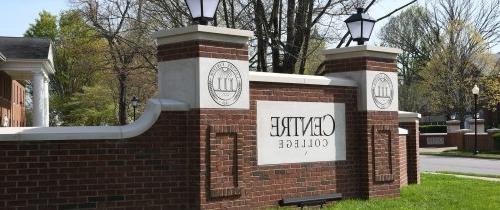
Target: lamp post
[(475, 91), (202, 11), (360, 26), (135, 103)]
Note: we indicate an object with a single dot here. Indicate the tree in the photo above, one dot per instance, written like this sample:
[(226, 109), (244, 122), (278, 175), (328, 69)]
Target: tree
[(120, 23), (405, 31), (446, 48), (282, 28), (92, 106), (44, 27), (461, 33)]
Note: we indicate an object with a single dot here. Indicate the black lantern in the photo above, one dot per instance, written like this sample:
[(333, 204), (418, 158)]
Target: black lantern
[(202, 11), (135, 103), (360, 26)]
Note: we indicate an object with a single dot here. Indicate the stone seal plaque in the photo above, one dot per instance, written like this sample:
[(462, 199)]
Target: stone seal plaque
[(382, 91), (224, 83)]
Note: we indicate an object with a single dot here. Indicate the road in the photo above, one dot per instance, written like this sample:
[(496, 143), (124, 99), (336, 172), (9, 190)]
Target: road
[(456, 164)]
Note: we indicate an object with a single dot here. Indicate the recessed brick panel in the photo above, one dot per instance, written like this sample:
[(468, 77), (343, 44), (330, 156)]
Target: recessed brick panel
[(382, 153), (224, 161)]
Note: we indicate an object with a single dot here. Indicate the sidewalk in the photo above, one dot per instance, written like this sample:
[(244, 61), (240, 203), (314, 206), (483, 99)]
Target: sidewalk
[(436, 149)]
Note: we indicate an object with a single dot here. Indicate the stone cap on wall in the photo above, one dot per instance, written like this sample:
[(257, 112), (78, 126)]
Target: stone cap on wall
[(493, 130), (402, 131), (479, 121), (361, 51), (300, 79), (453, 122), (408, 116), (141, 125), (478, 133), (202, 32)]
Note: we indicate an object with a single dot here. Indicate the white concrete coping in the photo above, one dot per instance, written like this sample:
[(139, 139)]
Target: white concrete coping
[(465, 130), (433, 134), (361, 51), (300, 79), (493, 130), (402, 131), (408, 116), (202, 32), (478, 133), (405, 114), (478, 120), (141, 125)]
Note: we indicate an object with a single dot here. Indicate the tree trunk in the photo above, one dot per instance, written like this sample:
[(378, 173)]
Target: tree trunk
[(276, 34), (307, 33), (122, 100), (290, 37), (297, 38), (261, 38)]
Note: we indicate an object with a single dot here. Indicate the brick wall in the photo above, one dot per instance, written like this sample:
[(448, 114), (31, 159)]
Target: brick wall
[(484, 142), (12, 97), (360, 64), (152, 171), (403, 168), (202, 48), (379, 134), (200, 159), (412, 156), (5, 94)]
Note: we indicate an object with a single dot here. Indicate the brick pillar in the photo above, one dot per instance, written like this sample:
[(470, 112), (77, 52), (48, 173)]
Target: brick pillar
[(374, 69), (412, 146), (207, 68)]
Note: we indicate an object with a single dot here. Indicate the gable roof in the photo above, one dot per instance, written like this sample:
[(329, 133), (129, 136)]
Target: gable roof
[(24, 47)]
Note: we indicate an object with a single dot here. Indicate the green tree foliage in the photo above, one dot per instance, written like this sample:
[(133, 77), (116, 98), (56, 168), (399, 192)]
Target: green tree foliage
[(92, 106), (446, 51), (78, 58), (405, 32), (44, 27), (490, 93)]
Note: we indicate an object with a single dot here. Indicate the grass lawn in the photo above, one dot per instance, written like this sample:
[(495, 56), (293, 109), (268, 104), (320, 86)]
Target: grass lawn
[(436, 192), (456, 153), (470, 174)]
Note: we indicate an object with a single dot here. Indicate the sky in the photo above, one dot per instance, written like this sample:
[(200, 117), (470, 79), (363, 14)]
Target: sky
[(16, 15)]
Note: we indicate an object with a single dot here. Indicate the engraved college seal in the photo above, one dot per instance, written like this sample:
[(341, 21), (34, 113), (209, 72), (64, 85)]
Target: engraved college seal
[(382, 91), (224, 83)]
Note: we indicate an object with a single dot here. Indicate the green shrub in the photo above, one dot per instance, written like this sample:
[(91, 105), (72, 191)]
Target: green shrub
[(496, 141), (432, 129)]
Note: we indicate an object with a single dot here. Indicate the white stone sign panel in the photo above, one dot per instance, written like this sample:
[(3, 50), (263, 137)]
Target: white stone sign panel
[(299, 132), (377, 90)]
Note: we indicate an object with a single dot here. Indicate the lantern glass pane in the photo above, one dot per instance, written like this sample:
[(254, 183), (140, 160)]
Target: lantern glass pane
[(209, 8), (194, 7), (367, 29), (355, 29), (475, 90)]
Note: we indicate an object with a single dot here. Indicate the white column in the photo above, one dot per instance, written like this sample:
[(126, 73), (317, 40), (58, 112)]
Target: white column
[(46, 117), (38, 99)]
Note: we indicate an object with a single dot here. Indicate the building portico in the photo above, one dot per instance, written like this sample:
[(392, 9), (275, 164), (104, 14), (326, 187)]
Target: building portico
[(30, 59)]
